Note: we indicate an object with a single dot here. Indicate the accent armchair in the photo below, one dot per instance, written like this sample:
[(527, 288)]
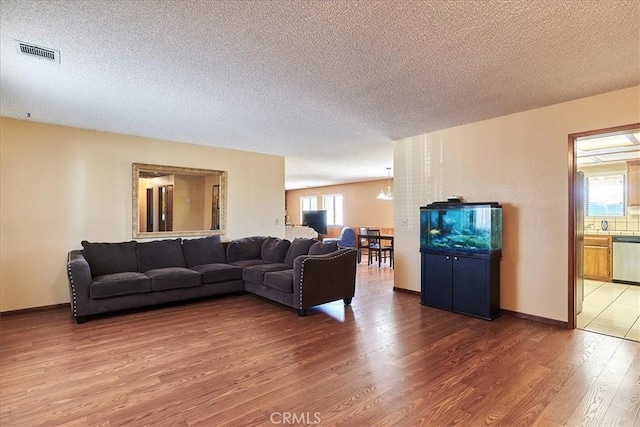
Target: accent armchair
[(347, 238)]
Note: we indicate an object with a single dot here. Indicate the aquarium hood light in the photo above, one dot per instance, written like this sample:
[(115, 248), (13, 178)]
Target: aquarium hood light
[(388, 195)]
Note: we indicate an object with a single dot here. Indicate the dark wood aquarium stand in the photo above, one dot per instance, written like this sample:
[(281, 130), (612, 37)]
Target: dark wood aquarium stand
[(467, 284)]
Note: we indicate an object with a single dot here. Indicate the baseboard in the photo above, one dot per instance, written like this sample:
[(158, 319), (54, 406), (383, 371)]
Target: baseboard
[(35, 309), (409, 291), (519, 315), (534, 318)]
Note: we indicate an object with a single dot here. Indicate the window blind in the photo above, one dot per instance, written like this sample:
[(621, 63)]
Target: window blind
[(605, 195)]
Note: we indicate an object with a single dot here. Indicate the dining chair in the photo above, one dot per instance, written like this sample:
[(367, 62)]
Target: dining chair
[(363, 242), (376, 247)]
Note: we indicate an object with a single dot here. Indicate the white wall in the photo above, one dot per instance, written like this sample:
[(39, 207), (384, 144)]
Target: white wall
[(519, 160), (61, 185)]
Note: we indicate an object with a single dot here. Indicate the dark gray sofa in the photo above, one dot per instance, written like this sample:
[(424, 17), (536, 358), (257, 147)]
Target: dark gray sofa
[(299, 274), (106, 277)]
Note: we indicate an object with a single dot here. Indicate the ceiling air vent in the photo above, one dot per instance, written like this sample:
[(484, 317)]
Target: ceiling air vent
[(39, 52)]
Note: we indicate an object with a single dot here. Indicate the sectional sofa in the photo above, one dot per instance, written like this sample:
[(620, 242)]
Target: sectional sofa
[(107, 277)]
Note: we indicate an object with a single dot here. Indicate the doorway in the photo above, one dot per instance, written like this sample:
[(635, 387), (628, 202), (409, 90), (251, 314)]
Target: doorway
[(598, 153)]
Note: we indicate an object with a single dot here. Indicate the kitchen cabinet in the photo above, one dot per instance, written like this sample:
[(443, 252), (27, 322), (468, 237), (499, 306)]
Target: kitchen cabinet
[(633, 183), (597, 258), (464, 284)]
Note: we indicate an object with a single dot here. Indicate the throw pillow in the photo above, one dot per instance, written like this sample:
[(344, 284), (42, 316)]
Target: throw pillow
[(320, 248), (109, 258), (274, 249), (244, 249), (298, 247), (160, 254), (208, 250)]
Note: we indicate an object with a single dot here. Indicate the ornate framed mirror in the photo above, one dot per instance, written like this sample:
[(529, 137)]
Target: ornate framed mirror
[(171, 201)]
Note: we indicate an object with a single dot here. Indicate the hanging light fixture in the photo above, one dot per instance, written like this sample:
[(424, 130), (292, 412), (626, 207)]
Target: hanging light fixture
[(388, 195)]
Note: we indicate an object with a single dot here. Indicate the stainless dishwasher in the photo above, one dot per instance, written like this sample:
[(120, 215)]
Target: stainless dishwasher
[(626, 259)]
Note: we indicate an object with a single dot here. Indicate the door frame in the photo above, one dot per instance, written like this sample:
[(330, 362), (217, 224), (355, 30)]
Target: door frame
[(572, 231)]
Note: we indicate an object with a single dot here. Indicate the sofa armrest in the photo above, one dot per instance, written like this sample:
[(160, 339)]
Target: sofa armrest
[(318, 279), (79, 275)]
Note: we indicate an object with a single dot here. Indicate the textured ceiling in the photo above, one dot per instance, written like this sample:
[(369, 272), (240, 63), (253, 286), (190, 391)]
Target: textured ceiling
[(327, 84)]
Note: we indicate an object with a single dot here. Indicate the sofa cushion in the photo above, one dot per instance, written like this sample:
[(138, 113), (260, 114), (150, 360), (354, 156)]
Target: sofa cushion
[(255, 273), (244, 249), (118, 284), (323, 248), (298, 247), (281, 280), (208, 250), (173, 278), (160, 254), (249, 263), (109, 258), (214, 273), (274, 249)]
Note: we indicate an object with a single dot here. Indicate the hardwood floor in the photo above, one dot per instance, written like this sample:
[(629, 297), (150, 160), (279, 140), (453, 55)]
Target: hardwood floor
[(243, 360)]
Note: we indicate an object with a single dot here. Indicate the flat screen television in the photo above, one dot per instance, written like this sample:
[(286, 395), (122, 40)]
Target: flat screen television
[(316, 220)]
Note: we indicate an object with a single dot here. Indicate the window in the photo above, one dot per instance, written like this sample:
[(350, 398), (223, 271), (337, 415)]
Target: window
[(605, 195), (332, 203), (308, 203)]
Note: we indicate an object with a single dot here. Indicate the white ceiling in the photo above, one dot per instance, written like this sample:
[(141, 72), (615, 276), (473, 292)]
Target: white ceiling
[(614, 147), (327, 84)]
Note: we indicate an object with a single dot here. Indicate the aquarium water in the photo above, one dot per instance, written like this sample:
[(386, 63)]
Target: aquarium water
[(472, 228)]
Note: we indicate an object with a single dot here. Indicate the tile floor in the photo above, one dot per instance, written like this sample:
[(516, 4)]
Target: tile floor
[(611, 309)]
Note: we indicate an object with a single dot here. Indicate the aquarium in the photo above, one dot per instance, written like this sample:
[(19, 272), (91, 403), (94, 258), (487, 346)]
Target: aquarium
[(468, 228)]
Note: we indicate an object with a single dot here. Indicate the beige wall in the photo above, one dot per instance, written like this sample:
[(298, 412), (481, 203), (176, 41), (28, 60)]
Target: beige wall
[(519, 160), (188, 203), (361, 208), (61, 185)]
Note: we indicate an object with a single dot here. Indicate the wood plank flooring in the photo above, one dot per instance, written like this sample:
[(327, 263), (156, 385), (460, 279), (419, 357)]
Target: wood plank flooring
[(242, 360)]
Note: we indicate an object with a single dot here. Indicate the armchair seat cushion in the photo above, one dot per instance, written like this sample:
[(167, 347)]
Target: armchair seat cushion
[(281, 280), (215, 273), (255, 273), (173, 278), (118, 284)]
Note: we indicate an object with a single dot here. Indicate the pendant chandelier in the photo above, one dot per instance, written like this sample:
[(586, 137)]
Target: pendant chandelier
[(387, 195)]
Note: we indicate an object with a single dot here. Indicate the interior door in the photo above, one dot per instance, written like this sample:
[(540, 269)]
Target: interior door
[(215, 207), (579, 243), (149, 214), (165, 208)]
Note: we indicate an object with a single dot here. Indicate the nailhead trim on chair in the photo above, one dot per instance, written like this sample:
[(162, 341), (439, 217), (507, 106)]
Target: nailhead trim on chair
[(73, 290), (321, 259)]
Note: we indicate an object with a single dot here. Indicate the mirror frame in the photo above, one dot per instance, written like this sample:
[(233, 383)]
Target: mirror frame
[(135, 188)]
